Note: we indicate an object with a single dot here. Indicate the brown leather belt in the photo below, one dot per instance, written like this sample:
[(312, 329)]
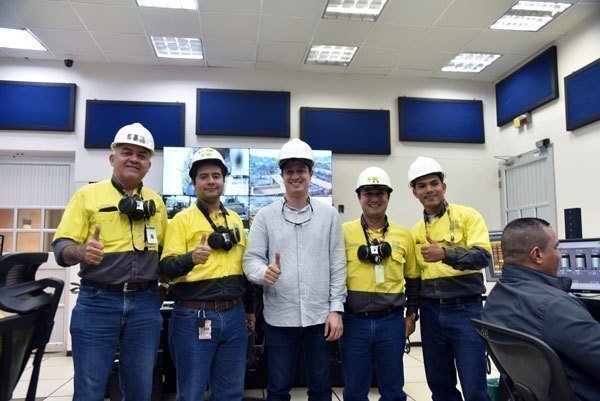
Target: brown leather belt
[(125, 287), (375, 314), (216, 306)]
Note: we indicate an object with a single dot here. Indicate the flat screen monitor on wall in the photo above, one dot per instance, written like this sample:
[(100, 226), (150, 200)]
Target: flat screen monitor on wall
[(582, 91), (440, 120), (166, 121), (350, 131), (37, 106), (531, 86), (581, 262), (243, 113)]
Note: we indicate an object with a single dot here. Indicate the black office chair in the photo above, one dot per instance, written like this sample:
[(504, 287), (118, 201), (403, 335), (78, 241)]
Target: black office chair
[(30, 329), (530, 369)]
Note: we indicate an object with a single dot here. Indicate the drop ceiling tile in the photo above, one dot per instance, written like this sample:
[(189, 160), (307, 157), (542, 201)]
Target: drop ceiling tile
[(46, 14), (312, 9), (131, 59), (407, 72), (510, 42), (121, 44), (113, 19), (8, 18), (83, 57), (231, 64), (453, 75), (394, 36), (418, 13), (227, 49), (126, 3), (283, 53), (416, 60), (369, 57), (182, 62), (170, 22), (230, 6), (230, 26), (473, 13), (34, 54), (259, 65), (328, 69), (286, 29), (67, 41), (572, 17), (336, 32), (369, 71), (447, 39)]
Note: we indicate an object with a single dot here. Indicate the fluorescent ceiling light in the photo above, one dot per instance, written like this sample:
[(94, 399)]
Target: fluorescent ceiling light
[(182, 4), (169, 47), (529, 15), (364, 10), (470, 62), (331, 54), (19, 39)]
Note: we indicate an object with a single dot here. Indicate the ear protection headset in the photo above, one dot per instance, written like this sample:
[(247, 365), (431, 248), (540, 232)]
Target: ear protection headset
[(134, 207), (222, 237), (375, 250)]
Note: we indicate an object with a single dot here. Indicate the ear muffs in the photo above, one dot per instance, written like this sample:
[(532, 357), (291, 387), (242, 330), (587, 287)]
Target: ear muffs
[(223, 238), (136, 208)]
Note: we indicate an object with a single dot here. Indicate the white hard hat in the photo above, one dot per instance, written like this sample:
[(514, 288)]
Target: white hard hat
[(207, 154), (423, 166), (296, 149), (135, 134), (373, 176)]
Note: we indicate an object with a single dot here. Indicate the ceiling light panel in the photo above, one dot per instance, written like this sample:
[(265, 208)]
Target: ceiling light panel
[(331, 54), (361, 10), (179, 4), (19, 39), (529, 15), (470, 62), (170, 47)]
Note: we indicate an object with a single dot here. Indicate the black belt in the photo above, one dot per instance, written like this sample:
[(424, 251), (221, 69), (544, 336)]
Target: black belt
[(456, 301), (125, 287), (216, 306), (375, 314)]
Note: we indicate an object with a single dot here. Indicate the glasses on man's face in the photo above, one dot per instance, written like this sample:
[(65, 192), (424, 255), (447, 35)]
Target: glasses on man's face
[(300, 223)]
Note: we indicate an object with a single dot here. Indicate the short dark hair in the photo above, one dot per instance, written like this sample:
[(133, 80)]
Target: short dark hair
[(196, 166), (440, 176), (520, 236), (305, 161)]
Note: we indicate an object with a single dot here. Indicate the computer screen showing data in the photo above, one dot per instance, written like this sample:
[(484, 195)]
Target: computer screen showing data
[(581, 262)]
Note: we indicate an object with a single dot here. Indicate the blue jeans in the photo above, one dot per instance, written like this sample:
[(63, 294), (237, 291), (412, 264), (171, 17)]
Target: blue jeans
[(102, 320), (283, 344), (367, 342), (219, 361), (448, 338)]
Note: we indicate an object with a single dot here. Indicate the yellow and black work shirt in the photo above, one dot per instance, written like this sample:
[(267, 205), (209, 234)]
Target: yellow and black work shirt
[(96, 205), (462, 232), (400, 270), (221, 277)]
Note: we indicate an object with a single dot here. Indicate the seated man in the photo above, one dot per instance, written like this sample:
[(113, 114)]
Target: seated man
[(529, 297)]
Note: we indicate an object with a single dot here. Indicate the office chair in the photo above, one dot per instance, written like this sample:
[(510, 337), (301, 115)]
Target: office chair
[(531, 370), (30, 328)]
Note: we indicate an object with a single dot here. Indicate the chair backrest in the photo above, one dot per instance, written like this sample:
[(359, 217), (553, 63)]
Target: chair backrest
[(18, 268), (534, 370)]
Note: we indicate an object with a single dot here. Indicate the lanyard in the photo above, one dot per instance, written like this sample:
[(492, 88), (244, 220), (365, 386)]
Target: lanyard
[(444, 209), (363, 223), (206, 214), (115, 183)]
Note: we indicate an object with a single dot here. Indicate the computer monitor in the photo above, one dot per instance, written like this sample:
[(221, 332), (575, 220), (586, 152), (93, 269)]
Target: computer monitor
[(494, 270), (581, 262)]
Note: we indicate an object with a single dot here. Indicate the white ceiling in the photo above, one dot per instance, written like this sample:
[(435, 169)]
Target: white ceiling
[(412, 38)]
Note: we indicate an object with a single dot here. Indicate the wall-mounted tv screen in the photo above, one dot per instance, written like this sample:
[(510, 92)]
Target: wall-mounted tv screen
[(350, 131), (531, 86), (166, 121), (581, 262), (254, 179), (440, 120), (37, 106), (582, 92), (242, 113)]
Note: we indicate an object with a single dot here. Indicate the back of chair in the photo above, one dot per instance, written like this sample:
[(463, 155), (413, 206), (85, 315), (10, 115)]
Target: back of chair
[(534, 370), (16, 268)]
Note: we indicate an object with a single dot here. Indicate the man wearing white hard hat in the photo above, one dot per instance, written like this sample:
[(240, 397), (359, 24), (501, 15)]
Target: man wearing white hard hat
[(296, 251), (382, 278), (203, 253), (452, 246), (113, 229)]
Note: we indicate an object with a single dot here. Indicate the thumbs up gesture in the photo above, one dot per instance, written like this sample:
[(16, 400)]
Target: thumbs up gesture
[(432, 252), (92, 252), (273, 270), (201, 252)]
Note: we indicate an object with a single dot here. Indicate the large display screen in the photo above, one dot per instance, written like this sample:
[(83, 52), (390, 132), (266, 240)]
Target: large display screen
[(581, 262), (531, 86), (351, 131), (582, 89), (440, 120), (37, 106), (254, 179), (166, 121), (242, 113)]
